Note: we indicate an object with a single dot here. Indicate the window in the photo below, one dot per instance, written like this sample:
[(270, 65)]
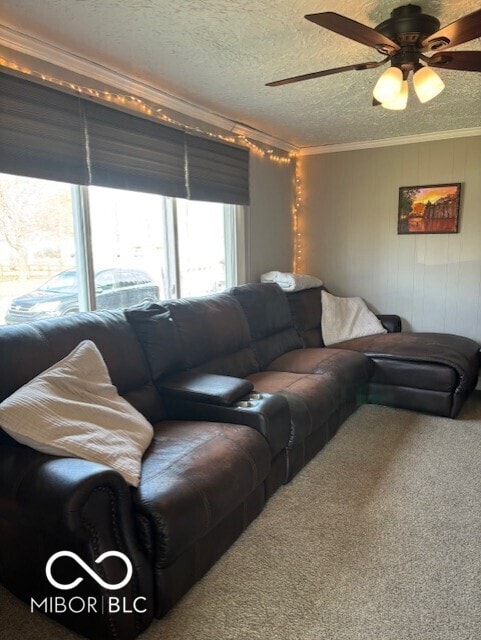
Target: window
[(37, 249), (119, 234), (66, 248), (128, 232), (201, 242)]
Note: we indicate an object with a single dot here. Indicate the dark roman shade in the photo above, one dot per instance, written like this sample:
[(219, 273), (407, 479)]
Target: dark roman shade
[(217, 172), (46, 133), (132, 153), (41, 132)]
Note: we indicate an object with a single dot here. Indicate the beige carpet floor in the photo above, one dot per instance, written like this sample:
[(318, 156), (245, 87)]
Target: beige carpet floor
[(378, 538)]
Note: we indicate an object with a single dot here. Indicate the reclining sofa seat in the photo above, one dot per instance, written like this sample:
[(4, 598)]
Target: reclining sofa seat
[(213, 335), (278, 345), (280, 352), (207, 358), (173, 527), (428, 372)]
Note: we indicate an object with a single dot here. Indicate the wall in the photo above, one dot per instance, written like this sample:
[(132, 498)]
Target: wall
[(350, 222), (269, 228)]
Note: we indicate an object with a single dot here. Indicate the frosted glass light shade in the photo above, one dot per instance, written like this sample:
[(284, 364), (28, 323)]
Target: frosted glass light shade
[(427, 84), (400, 101), (388, 85)]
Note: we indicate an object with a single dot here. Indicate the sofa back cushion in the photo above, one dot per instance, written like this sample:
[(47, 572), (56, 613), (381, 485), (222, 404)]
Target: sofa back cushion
[(158, 335), (28, 349), (306, 310), (213, 334), (270, 321)]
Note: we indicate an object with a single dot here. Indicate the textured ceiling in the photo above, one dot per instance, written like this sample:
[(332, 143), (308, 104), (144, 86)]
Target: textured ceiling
[(219, 54)]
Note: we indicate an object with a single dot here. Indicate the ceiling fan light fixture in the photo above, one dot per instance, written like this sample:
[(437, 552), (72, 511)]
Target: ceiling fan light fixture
[(427, 84), (400, 100), (389, 85), (403, 39)]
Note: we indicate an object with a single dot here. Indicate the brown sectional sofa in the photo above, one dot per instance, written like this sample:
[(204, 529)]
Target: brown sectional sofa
[(242, 394)]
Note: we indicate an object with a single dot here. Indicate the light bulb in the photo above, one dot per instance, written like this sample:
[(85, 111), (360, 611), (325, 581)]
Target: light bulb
[(388, 85), (427, 84), (400, 101)]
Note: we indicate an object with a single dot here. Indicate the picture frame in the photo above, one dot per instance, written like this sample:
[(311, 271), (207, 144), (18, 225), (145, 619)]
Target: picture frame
[(429, 209)]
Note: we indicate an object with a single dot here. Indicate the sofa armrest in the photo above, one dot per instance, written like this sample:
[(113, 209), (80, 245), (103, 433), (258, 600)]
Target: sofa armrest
[(53, 489), (206, 387), (267, 413), (50, 504), (390, 322)]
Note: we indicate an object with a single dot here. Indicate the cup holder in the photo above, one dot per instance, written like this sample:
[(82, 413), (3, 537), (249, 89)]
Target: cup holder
[(244, 404)]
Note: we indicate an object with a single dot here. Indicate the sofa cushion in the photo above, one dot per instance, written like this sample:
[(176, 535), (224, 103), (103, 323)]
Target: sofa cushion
[(432, 352), (347, 318), (306, 312), (347, 367), (214, 335), (312, 399), (270, 322), (158, 336), (73, 410), (193, 475)]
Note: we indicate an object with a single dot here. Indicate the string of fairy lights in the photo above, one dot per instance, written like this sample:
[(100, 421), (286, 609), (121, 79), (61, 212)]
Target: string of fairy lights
[(298, 258), (151, 110)]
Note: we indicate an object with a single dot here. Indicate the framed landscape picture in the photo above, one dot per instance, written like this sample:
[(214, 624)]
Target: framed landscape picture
[(429, 209)]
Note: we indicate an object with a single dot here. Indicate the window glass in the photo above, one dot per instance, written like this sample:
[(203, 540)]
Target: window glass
[(37, 250), (128, 246), (104, 281), (136, 247), (201, 242), (65, 282)]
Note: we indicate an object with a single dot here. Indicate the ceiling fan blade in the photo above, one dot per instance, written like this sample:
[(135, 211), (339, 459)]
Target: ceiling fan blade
[(353, 30), (328, 72), (458, 60), (462, 30)]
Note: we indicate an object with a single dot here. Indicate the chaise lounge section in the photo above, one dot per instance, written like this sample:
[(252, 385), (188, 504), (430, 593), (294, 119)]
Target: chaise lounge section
[(429, 372)]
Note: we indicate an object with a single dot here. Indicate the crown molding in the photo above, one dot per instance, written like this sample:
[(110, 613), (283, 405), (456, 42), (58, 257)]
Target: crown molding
[(70, 62), (391, 142), (261, 136), (30, 45)]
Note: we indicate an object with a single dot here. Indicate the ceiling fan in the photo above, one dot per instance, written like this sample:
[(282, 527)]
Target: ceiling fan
[(404, 39)]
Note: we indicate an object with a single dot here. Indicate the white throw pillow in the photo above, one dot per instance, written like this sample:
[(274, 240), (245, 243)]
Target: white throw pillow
[(72, 409), (347, 318)]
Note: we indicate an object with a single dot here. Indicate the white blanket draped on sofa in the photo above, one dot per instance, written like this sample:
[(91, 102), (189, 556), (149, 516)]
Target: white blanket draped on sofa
[(291, 281)]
